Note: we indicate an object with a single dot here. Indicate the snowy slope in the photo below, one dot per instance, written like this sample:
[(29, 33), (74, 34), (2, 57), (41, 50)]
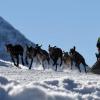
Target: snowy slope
[(8, 34), (24, 84)]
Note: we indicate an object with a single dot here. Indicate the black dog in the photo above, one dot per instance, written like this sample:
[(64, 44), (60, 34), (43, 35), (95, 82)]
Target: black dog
[(15, 51)]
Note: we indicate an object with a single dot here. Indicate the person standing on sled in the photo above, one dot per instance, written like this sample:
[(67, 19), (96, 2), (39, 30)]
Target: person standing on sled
[(98, 46)]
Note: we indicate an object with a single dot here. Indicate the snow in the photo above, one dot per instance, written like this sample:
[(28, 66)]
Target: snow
[(36, 84)]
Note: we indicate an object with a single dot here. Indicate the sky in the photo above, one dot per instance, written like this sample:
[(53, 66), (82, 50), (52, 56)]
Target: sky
[(64, 23)]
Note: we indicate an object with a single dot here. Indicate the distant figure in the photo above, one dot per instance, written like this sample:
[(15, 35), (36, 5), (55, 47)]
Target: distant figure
[(98, 46), (15, 51)]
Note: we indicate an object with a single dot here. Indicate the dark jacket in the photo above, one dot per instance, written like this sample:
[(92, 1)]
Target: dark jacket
[(98, 43)]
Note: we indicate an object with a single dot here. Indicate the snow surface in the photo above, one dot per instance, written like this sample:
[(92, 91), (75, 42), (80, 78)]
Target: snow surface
[(36, 84)]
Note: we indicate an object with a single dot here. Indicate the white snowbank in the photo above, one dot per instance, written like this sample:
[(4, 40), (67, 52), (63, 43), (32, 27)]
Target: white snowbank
[(63, 89)]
